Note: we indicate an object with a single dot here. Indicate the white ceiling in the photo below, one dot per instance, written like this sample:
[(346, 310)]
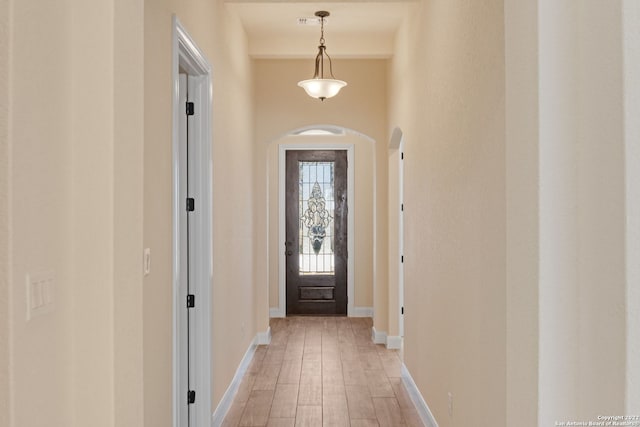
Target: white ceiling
[(355, 29)]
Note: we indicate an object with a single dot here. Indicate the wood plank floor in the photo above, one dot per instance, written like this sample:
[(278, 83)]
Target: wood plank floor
[(322, 371)]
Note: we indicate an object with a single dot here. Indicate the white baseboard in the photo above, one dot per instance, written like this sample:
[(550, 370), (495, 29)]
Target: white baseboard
[(263, 338), (417, 399), (361, 312), (394, 342), (226, 401), (276, 312), (378, 337)]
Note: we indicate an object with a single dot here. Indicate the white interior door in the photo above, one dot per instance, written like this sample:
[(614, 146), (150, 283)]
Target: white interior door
[(192, 232), (183, 331), (193, 260), (188, 259)]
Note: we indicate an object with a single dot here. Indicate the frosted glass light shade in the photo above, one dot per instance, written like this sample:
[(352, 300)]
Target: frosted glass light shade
[(322, 88)]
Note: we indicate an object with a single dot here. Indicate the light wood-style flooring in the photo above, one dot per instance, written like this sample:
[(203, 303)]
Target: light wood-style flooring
[(322, 371)]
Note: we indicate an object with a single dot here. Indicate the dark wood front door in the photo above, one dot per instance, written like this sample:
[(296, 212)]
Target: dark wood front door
[(316, 237)]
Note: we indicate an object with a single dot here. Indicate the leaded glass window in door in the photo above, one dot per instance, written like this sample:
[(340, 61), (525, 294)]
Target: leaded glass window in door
[(316, 212)]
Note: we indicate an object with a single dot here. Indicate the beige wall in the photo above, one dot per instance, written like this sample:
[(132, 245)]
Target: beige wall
[(582, 211), (73, 180), (128, 211), (362, 208), (40, 201), (568, 214), (631, 60), (447, 96), (579, 143), (601, 203), (281, 106), (221, 38), (555, 218), (5, 247), (522, 193), (75, 200)]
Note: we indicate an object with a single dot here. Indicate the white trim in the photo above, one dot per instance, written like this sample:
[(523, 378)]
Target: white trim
[(282, 280), (394, 342), (362, 312), (378, 337), (400, 235), (396, 138), (275, 312), (416, 397), (187, 56), (263, 338), (227, 399), (329, 128)]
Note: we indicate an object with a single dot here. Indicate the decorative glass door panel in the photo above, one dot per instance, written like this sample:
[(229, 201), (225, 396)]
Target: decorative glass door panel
[(316, 218)]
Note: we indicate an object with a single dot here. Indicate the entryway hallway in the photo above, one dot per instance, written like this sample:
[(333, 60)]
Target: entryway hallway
[(510, 243), (323, 371)]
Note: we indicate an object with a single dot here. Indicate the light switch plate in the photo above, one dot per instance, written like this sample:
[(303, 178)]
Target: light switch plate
[(40, 293)]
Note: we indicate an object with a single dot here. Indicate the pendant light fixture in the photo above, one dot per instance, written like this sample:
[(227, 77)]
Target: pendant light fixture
[(318, 86)]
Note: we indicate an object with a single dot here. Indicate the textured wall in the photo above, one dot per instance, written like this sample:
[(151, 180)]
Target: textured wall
[(631, 23), (75, 199), (522, 193), (447, 96), (5, 409), (41, 210), (564, 313)]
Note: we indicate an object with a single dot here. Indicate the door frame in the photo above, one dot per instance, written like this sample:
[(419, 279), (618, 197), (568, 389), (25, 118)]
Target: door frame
[(188, 56), (401, 239), (282, 279)]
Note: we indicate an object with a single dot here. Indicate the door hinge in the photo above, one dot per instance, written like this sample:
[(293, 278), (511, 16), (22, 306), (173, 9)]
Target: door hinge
[(402, 156), (402, 310), (190, 109), (191, 301), (402, 258), (191, 204), (191, 397), (402, 207)]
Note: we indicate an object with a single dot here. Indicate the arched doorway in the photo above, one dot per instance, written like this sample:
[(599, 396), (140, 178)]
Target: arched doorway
[(361, 212)]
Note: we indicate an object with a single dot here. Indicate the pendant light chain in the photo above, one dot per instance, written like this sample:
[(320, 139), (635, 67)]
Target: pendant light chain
[(322, 51), (322, 31)]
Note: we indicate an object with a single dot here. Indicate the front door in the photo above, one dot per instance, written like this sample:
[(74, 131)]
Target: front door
[(316, 232)]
